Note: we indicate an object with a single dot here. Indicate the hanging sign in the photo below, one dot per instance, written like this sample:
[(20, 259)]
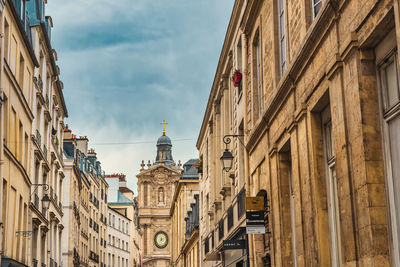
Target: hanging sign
[(255, 223), (233, 244), (255, 203)]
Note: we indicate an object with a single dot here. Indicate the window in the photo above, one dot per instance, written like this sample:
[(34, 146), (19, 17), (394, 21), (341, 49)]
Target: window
[(287, 196), (316, 6), (230, 217), (239, 64), (388, 81), (221, 229), (257, 80), (282, 36), (21, 72), (6, 39), (332, 193)]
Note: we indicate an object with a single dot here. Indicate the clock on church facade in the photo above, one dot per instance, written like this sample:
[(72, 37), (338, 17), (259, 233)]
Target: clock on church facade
[(156, 186), (161, 239)]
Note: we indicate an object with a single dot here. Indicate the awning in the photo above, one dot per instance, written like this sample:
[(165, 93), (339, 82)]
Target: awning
[(8, 262)]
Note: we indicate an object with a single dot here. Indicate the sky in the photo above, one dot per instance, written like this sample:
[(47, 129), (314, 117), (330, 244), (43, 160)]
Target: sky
[(127, 65)]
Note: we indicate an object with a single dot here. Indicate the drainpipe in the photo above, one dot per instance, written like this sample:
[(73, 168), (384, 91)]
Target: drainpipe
[(2, 6), (246, 153)]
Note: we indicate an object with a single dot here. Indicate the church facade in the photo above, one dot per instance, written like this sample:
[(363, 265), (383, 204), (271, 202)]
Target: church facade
[(156, 185)]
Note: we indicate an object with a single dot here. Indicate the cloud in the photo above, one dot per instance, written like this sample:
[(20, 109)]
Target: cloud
[(129, 64)]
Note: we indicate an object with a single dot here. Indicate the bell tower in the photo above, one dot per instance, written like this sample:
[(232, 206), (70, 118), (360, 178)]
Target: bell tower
[(156, 186)]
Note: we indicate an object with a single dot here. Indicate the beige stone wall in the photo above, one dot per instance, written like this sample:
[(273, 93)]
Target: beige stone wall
[(16, 82), (330, 64)]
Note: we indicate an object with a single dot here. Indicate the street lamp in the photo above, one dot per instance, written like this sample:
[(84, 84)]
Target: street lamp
[(46, 201), (227, 160), (227, 157)]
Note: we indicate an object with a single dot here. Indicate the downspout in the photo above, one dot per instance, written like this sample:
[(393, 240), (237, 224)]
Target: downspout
[(2, 6), (246, 153)]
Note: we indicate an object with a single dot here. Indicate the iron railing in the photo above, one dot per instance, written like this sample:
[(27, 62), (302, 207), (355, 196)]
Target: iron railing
[(38, 138), (230, 217), (45, 151), (47, 101), (221, 229), (241, 198)]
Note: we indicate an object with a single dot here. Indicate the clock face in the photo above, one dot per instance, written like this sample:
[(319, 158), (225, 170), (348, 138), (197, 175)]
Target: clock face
[(161, 240)]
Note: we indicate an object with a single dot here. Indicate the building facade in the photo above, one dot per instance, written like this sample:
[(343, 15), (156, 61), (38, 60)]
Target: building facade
[(18, 63), (118, 249), (86, 192), (32, 119), (317, 115), (121, 200), (185, 247), (156, 185)]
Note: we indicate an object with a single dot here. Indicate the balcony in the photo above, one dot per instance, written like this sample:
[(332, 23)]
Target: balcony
[(45, 151), (38, 138), (40, 83), (47, 101)]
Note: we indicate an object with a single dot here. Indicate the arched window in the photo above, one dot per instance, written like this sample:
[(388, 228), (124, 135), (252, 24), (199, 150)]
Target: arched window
[(161, 195)]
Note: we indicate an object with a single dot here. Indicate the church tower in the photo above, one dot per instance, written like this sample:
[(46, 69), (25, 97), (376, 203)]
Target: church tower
[(156, 186)]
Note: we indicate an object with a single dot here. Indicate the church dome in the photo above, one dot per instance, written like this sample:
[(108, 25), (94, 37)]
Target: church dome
[(164, 140)]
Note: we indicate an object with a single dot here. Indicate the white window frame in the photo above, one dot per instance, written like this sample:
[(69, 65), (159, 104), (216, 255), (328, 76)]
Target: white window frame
[(315, 3)]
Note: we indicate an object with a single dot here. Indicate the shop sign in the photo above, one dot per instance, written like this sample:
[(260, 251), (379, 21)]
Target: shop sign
[(255, 203), (255, 223), (233, 244)]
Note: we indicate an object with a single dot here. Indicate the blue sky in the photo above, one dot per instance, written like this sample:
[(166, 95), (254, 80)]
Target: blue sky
[(129, 64)]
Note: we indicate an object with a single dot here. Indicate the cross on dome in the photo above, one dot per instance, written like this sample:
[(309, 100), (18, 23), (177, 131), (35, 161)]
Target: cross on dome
[(163, 123)]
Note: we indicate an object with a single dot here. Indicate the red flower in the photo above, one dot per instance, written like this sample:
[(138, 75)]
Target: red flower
[(237, 78)]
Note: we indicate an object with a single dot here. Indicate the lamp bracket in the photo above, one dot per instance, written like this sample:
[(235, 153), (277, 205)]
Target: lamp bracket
[(45, 187), (228, 138)]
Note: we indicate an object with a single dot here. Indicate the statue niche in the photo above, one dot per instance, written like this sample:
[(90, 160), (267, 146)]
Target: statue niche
[(161, 200)]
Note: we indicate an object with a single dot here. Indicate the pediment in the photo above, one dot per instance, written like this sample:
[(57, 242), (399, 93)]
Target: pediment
[(159, 170)]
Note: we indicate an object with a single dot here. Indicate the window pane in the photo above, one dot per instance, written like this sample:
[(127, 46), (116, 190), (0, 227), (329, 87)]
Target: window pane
[(392, 89), (317, 7)]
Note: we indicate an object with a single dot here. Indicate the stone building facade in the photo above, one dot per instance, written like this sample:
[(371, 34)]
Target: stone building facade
[(32, 119), (321, 130), (184, 211), (85, 192), (122, 200), (156, 185), (118, 249)]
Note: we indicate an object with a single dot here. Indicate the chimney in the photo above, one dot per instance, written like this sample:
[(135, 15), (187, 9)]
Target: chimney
[(82, 143), (122, 180)]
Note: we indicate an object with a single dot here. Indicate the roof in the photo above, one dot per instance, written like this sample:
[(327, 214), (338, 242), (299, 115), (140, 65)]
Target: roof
[(122, 200), (164, 140), (190, 172)]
